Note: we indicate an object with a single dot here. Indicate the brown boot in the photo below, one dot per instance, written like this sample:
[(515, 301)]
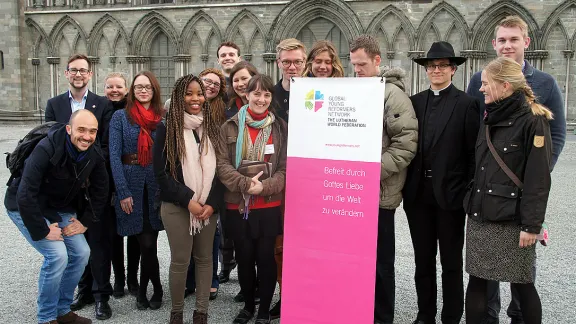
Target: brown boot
[(200, 318), (73, 318), (176, 318)]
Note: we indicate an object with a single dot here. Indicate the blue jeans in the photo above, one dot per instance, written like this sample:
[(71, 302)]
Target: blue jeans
[(64, 263)]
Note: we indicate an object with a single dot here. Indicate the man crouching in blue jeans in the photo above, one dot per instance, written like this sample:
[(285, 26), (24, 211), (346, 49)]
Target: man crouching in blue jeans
[(43, 202)]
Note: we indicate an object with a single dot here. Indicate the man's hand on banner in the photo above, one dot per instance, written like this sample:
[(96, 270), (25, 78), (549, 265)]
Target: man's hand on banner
[(256, 186)]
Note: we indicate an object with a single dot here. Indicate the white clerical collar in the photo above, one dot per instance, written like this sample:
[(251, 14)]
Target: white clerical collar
[(437, 92)]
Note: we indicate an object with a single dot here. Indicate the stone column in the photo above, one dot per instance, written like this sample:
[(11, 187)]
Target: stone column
[(270, 59), (568, 54), (54, 62), (468, 54), (35, 63), (94, 63), (345, 60), (113, 62), (390, 56), (137, 64), (204, 58), (181, 65), (415, 71)]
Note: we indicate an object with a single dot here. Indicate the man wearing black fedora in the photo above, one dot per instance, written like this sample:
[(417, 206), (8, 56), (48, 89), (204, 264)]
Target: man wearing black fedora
[(436, 183)]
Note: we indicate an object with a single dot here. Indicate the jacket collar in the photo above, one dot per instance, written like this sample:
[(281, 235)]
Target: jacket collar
[(528, 69)]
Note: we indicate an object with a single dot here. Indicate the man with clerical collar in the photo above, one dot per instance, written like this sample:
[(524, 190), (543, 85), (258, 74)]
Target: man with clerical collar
[(437, 178)]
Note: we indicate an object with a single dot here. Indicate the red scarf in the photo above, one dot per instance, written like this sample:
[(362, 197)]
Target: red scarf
[(147, 119), (256, 116)]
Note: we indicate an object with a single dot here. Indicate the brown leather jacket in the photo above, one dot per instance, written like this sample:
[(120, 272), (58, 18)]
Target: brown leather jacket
[(235, 182)]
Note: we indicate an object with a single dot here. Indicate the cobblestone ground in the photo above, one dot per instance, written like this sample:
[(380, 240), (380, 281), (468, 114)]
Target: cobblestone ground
[(20, 264)]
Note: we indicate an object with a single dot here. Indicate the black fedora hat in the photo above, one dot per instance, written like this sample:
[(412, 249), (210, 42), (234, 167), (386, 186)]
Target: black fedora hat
[(441, 50)]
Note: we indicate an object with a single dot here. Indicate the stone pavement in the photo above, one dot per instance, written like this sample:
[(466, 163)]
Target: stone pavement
[(20, 264)]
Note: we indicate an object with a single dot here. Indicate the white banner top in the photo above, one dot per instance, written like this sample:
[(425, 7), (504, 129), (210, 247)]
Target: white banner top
[(326, 124)]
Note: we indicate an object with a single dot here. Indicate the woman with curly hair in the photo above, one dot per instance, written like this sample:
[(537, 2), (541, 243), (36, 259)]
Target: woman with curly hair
[(323, 61), (185, 168)]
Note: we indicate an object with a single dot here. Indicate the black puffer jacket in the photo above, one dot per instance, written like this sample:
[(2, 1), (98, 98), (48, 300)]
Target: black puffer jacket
[(51, 183), (522, 139)]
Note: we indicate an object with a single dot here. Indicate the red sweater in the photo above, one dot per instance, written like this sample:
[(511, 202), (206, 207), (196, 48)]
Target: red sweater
[(258, 202)]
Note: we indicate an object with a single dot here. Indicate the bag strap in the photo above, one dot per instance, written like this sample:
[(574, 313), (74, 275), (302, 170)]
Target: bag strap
[(501, 163)]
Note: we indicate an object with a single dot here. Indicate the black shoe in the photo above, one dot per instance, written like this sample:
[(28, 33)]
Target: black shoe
[(275, 311), (214, 294), (102, 310), (156, 300), (80, 301), (118, 290), (239, 298), (263, 320), (224, 276), (133, 287), (188, 292), (142, 303), (243, 317)]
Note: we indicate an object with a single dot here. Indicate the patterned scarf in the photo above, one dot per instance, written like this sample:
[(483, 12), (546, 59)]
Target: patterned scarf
[(245, 149)]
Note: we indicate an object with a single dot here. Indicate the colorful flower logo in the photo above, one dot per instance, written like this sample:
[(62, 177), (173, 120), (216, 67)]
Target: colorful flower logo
[(314, 100)]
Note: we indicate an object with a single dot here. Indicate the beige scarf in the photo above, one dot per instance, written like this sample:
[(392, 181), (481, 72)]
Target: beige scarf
[(198, 171)]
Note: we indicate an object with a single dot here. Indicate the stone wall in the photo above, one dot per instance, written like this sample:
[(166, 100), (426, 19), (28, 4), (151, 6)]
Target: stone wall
[(182, 36)]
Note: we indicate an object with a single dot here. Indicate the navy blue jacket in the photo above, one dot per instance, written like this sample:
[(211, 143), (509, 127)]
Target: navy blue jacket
[(548, 93), (130, 180), (51, 183)]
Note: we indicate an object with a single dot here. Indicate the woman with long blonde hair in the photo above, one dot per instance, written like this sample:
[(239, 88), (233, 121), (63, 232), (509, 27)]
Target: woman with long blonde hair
[(506, 202), (323, 61)]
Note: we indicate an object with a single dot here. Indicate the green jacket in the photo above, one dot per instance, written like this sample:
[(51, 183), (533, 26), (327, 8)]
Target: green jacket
[(399, 138)]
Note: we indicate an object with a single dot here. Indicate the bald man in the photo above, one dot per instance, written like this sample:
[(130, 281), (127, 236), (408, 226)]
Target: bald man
[(41, 203)]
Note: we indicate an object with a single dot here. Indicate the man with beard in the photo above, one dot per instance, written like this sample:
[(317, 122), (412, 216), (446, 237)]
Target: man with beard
[(228, 55), (41, 204), (291, 57), (95, 284)]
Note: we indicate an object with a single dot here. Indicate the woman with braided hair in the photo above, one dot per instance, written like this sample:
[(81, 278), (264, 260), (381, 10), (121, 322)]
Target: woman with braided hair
[(215, 86), (185, 168), (252, 166), (506, 202)]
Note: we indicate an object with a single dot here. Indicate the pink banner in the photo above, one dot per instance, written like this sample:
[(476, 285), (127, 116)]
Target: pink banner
[(330, 232)]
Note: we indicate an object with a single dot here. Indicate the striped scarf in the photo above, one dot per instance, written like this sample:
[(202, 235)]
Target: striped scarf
[(244, 146)]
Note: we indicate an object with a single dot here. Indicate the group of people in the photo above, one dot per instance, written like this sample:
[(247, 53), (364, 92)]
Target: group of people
[(208, 166)]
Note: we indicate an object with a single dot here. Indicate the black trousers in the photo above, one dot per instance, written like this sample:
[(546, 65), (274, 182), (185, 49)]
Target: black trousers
[(385, 290), (96, 277), (133, 255), (226, 245), (430, 227)]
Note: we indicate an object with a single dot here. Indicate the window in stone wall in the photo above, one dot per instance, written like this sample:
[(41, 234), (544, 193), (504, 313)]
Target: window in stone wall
[(162, 63), (1, 60)]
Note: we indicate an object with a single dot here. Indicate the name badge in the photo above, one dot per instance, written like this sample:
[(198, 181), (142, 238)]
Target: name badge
[(269, 149)]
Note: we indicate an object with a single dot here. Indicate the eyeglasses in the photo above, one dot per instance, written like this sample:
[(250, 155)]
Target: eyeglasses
[(75, 71), (140, 87), (210, 83), (432, 67), (297, 63)]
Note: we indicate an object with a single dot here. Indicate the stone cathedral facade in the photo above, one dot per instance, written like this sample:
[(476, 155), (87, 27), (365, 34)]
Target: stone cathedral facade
[(175, 37)]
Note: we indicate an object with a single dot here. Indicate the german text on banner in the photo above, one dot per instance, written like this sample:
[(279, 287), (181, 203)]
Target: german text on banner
[(332, 195)]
